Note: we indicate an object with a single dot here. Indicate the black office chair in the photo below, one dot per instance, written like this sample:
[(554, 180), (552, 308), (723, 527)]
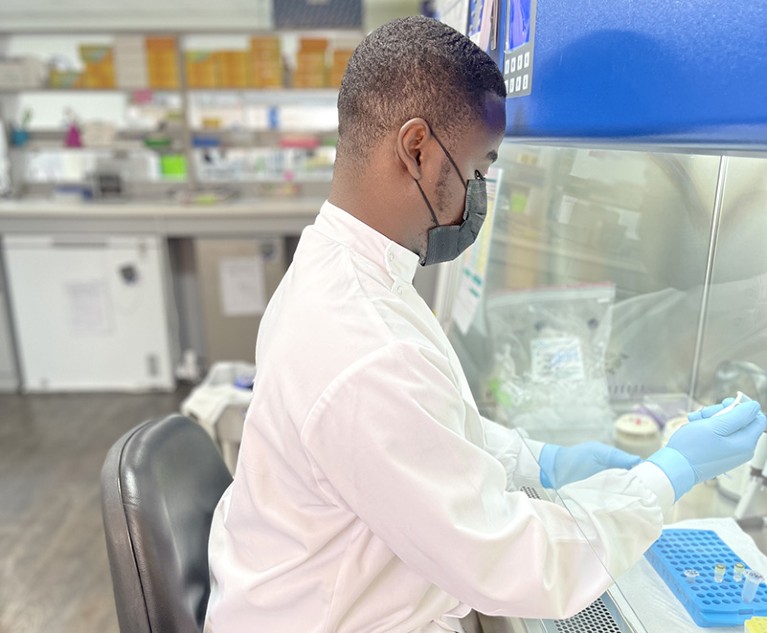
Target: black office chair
[(159, 486)]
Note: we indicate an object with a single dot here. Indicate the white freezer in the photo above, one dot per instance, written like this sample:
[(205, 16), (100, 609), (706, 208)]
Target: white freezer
[(90, 312)]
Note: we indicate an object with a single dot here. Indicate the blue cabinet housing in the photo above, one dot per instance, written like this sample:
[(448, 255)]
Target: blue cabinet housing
[(659, 71)]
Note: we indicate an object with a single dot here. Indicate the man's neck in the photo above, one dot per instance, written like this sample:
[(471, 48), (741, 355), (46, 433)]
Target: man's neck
[(370, 204)]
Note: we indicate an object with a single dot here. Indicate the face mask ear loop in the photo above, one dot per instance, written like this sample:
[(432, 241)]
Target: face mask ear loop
[(452, 162), (428, 204)]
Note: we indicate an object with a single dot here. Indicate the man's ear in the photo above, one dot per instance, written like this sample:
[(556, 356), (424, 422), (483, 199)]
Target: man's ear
[(411, 139)]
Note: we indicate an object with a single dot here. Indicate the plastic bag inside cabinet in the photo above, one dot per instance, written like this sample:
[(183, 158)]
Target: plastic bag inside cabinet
[(548, 374)]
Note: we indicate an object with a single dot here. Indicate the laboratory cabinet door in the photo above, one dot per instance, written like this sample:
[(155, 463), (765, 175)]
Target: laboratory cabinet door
[(237, 277), (90, 312)]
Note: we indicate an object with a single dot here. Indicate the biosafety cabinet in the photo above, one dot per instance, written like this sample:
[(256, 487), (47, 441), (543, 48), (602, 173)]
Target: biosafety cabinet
[(620, 279), (610, 278)]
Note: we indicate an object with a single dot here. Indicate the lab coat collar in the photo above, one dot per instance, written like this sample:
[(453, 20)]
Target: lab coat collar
[(342, 226)]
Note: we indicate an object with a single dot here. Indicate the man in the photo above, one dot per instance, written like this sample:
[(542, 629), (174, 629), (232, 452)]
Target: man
[(370, 496)]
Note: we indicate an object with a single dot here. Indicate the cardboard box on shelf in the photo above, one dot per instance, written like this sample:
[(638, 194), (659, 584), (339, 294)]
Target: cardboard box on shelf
[(311, 69), (160, 79), (310, 61), (95, 53), (341, 59), (265, 62), (201, 69), (313, 44), (265, 56), (234, 69), (99, 66), (236, 81), (161, 44), (65, 79), (162, 62), (97, 81), (266, 75), (101, 77), (334, 79), (309, 80), (266, 44)]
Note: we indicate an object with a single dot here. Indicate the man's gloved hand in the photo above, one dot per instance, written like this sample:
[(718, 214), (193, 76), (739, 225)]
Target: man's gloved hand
[(710, 445), (562, 465)]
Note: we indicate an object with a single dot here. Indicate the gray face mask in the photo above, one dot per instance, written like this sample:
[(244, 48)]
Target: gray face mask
[(445, 242)]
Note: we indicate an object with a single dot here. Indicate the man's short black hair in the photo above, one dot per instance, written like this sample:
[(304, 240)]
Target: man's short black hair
[(407, 68)]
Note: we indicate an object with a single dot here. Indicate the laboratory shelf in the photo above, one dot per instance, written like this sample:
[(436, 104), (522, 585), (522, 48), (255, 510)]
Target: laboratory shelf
[(276, 96), (51, 89)]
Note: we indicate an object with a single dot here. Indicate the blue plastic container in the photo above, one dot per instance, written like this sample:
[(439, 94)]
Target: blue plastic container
[(708, 602)]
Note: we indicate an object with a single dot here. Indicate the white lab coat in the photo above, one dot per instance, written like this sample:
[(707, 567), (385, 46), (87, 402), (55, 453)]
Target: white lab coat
[(370, 495)]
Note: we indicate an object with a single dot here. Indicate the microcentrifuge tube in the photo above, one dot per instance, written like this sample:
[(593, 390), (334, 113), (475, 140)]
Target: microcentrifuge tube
[(737, 571), (719, 570), (691, 574), (753, 580)]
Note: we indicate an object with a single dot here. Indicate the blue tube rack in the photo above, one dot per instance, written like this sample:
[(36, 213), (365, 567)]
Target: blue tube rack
[(708, 602)]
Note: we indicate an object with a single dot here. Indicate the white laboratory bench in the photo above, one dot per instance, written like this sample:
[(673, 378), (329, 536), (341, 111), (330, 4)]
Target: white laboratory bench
[(271, 216)]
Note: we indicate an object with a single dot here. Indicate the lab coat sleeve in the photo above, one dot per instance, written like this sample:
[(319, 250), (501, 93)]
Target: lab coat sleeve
[(518, 454), (388, 440)]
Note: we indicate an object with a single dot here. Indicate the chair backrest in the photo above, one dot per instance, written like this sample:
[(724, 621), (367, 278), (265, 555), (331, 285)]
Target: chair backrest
[(160, 483)]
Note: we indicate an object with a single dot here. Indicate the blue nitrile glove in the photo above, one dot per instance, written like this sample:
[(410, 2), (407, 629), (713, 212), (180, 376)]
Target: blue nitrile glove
[(562, 465), (709, 446)]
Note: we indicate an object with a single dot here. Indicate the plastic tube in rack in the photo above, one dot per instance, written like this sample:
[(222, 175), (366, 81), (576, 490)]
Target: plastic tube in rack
[(719, 570), (691, 575), (753, 580)]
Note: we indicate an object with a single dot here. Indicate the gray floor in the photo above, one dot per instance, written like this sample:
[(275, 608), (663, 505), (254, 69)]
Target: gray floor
[(54, 575)]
